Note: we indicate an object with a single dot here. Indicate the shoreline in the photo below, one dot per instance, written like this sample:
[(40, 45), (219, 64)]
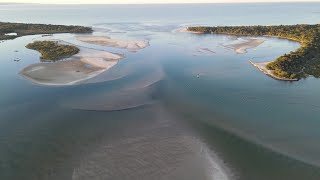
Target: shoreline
[(262, 67)]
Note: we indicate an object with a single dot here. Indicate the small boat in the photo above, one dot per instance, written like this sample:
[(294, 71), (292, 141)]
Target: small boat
[(16, 59)]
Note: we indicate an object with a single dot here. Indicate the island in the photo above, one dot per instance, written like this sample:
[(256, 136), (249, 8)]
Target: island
[(301, 63), (14, 30), (63, 64), (52, 50)]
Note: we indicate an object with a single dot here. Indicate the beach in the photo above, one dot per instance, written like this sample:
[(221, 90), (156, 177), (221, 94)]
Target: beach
[(262, 66)]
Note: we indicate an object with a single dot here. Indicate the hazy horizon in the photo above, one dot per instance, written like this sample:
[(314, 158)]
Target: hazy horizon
[(148, 2)]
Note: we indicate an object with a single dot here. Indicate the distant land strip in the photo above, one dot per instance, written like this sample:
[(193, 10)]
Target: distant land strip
[(14, 30)]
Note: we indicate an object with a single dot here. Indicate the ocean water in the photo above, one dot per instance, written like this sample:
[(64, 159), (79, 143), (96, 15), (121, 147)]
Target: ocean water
[(199, 115)]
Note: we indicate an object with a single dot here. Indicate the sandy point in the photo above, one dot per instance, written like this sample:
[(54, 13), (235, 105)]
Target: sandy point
[(262, 66)]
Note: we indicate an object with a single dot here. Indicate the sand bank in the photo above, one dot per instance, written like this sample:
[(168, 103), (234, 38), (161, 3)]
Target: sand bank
[(78, 68), (263, 68), (130, 45), (242, 47)]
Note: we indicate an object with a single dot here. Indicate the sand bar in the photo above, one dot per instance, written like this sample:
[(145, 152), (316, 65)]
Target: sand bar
[(130, 45), (242, 47)]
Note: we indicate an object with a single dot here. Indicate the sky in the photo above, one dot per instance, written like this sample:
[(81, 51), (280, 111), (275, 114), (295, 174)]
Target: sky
[(143, 1)]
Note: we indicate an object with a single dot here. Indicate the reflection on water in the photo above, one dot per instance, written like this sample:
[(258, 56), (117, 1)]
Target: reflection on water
[(190, 109)]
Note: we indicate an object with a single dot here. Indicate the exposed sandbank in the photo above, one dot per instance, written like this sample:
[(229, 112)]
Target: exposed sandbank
[(130, 45), (78, 68), (262, 66), (242, 47)]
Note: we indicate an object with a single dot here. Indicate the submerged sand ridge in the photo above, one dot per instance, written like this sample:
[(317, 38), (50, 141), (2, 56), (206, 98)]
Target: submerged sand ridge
[(136, 93), (157, 146), (130, 45)]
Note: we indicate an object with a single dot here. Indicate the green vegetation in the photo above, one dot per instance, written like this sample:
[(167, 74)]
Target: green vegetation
[(297, 64), (52, 51), (31, 29)]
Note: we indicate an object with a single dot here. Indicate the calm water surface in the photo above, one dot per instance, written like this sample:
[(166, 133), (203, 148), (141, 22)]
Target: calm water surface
[(205, 115)]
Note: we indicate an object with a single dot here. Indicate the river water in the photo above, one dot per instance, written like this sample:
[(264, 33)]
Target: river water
[(199, 115)]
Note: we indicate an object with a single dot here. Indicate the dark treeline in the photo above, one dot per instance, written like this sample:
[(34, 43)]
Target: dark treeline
[(30, 29), (297, 64), (52, 51)]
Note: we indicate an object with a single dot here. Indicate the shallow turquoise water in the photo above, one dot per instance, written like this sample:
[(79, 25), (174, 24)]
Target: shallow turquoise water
[(259, 127)]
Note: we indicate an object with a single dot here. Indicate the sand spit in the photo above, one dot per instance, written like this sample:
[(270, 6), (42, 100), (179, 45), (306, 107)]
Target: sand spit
[(262, 67), (130, 45), (242, 47), (81, 67), (185, 30)]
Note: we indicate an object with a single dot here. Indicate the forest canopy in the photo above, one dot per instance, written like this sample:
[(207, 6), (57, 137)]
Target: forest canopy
[(52, 51), (297, 64)]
